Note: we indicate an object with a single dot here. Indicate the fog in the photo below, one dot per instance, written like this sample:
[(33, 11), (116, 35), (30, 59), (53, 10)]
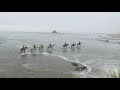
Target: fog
[(96, 22)]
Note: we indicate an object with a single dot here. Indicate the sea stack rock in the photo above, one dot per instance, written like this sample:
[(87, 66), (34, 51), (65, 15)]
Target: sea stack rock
[(54, 31)]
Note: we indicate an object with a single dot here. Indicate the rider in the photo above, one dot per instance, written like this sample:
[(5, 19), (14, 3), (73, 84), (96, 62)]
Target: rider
[(73, 43), (34, 46), (41, 45), (23, 46), (50, 45), (65, 43)]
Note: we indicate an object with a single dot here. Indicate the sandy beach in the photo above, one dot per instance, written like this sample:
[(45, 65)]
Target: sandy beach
[(40, 66)]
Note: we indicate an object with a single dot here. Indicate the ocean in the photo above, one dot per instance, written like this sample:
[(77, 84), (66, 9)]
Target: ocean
[(96, 54)]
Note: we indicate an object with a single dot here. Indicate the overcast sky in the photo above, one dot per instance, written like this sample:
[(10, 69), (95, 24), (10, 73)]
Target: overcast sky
[(97, 22)]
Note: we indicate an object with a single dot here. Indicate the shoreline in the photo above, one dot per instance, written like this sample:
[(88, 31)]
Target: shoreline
[(41, 66)]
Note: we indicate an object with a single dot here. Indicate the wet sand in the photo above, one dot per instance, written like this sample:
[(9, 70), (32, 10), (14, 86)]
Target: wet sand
[(14, 65), (94, 54), (39, 66)]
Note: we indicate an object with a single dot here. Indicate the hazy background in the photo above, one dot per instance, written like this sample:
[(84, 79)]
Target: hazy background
[(97, 22)]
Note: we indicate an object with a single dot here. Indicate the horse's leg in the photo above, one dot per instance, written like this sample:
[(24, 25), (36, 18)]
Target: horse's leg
[(20, 51), (24, 51)]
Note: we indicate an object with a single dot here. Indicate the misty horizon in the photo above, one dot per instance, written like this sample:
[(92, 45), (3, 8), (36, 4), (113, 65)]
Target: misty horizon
[(74, 22)]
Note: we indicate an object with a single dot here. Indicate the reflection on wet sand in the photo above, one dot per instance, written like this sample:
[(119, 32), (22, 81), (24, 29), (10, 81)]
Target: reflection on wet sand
[(64, 50), (78, 49), (50, 51), (72, 49)]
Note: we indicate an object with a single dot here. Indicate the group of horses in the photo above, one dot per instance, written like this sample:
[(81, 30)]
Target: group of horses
[(23, 49), (73, 45)]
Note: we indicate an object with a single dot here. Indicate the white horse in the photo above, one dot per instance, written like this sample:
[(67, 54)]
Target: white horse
[(50, 46), (41, 47)]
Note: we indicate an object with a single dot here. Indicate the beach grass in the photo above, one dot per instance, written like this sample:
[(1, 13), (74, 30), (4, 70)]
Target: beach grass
[(114, 73)]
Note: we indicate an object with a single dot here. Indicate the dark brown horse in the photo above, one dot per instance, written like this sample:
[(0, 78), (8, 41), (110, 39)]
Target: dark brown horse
[(73, 45), (23, 49), (65, 45), (79, 44)]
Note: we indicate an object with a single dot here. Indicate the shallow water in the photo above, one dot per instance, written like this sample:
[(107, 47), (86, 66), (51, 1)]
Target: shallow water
[(97, 55)]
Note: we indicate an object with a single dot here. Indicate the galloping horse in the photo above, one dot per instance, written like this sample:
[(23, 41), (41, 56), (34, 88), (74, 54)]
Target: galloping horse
[(41, 47), (34, 48), (50, 46), (65, 45), (79, 44), (23, 49), (73, 45)]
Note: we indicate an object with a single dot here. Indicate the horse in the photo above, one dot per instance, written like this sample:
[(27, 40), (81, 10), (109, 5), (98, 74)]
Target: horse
[(23, 49), (34, 48), (73, 45), (41, 47), (65, 45), (50, 46), (79, 44)]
